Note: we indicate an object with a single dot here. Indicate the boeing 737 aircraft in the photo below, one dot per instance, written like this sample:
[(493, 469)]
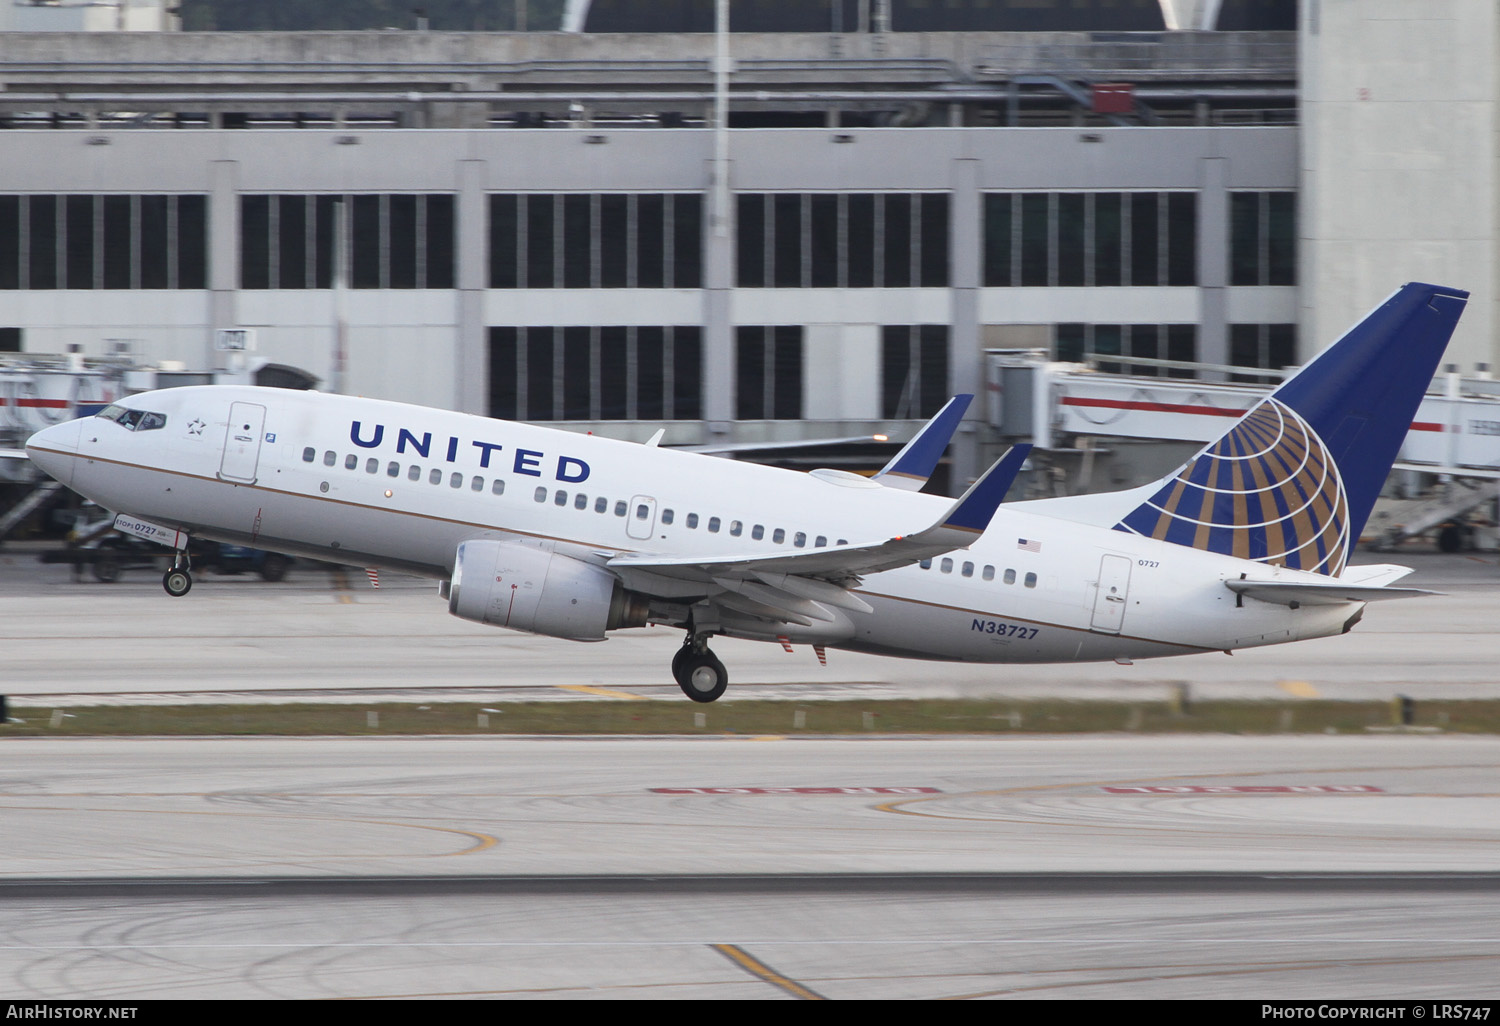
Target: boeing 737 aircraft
[(575, 536)]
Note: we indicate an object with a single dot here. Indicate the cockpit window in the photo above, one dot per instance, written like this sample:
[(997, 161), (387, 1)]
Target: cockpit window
[(133, 420)]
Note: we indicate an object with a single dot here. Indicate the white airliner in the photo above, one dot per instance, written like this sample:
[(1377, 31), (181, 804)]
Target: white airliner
[(574, 536)]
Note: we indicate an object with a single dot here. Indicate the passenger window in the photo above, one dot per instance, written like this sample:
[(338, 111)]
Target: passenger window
[(541, 493), (1010, 577), (1031, 580), (926, 564), (580, 501), (778, 536), (393, 469), (435, 476), (642, 511), (989, 572), (330, 458), (820, 541), (736, 528), (757, 532), (968, 569), (799, 539), (692, 520), (560, 499), (666, 516), (946, 566), (351, 461), (498, 488), (455, 480), (477, 484), (372, 465), (601, 505), (843, 541), (713, 525), (620, 507), (414, 473), (308, 455)]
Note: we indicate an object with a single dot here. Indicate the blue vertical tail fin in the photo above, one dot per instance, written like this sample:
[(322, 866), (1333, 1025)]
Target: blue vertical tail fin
[(1293, 482)]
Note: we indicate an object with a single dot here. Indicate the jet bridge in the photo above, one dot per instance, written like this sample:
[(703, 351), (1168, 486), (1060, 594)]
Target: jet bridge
[(1069, 407)]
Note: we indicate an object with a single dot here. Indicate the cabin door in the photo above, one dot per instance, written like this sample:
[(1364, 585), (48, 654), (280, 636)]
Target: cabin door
[(247, 423), (1114, 586)]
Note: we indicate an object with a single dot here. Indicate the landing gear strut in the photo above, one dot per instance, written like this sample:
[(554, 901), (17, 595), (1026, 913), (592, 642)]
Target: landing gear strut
[(178, 581), (698, 671)]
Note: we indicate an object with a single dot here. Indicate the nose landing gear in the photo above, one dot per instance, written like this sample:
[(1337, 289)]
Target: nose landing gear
[(698, 671), (178, 581)]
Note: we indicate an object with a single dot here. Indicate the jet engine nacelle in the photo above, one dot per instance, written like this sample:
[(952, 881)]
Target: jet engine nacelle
[(506, 584)]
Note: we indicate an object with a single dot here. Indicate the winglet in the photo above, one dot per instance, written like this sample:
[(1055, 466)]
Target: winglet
[(914, 464), (974, 511)]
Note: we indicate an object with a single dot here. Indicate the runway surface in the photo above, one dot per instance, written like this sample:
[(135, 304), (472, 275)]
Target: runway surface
[(738, 867), (331, 637), (1101, 867)]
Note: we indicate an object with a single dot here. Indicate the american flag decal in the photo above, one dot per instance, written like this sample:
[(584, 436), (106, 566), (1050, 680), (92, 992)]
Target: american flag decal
[(1028, 545)]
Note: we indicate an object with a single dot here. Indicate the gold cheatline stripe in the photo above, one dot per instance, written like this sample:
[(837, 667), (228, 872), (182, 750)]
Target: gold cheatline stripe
[(755, 967)]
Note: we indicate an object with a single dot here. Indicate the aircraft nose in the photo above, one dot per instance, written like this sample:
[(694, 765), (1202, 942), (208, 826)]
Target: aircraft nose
[(54, 449)]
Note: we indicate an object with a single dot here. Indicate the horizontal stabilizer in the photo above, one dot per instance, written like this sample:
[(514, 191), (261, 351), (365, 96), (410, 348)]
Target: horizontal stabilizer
[(1377, 575), (1334, 593), (914, 464)]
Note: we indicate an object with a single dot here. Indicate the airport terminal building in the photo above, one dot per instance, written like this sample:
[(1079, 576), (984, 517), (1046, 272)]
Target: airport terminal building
[(553, 227)]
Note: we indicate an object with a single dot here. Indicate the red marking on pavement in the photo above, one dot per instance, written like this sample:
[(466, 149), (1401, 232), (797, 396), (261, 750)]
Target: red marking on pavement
[(795, 790), (1250, 789)]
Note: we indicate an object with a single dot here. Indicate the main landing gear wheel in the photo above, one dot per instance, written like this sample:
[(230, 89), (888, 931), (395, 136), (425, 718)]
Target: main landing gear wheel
[(177, 581), (700, 675)]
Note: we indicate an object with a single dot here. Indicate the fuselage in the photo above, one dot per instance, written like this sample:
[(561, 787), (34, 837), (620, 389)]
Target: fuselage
[(376, 483)]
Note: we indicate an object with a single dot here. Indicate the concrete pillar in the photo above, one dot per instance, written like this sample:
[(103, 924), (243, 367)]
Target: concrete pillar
[(965, 364), (223, 252), (471, 387), (718, 333), (1213, 260)]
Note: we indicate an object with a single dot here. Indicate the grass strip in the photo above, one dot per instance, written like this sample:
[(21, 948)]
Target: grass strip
[(944, 716)]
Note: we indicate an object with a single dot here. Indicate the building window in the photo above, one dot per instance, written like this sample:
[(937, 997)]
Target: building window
[(1073, 239), (1262, 238), (843, 240), (103, 242), (596, 240), (768, 372), (596, 373), (1081, 343), (1264, 346), (394, 241), (913, 370)]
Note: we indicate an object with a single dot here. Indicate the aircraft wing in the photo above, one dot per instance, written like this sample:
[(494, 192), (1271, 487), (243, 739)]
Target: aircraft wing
[(914, 464), (823, 575), (13, 454)]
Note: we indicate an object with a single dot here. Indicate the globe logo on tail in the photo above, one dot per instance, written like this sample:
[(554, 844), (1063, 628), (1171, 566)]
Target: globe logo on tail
[(1268, 490)]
